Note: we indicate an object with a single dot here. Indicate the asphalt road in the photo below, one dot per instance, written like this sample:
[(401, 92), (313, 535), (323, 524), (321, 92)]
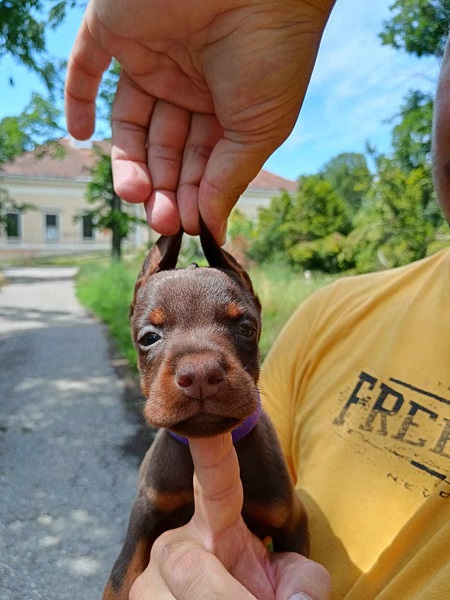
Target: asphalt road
[(68, 461)]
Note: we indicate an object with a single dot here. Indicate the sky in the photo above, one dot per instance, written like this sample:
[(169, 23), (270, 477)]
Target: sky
[(357, 86)]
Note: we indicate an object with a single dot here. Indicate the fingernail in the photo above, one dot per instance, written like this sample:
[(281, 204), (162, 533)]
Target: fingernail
[(299, 596)]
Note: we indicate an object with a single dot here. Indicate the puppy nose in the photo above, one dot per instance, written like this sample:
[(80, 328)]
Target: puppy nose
[(199, 379)]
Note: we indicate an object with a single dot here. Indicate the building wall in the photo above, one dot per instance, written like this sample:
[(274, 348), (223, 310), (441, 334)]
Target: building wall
[(66, 199)]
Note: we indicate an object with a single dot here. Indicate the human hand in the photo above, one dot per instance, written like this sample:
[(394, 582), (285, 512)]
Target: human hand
[(208, 91), (441, 135), (215, 555)]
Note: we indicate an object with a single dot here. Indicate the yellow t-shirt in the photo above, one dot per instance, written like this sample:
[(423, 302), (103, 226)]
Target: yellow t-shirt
[(358, 387)]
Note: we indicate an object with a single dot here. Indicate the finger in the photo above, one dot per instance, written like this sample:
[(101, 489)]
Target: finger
[(231, 167), (441, 135), (192, 573), (218, 491), (167, 138), (87, 63), (204, 134), (130, 118), (298, 578)]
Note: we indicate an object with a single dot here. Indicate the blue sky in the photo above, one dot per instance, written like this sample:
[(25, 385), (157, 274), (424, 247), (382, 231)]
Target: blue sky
[(356, 86)]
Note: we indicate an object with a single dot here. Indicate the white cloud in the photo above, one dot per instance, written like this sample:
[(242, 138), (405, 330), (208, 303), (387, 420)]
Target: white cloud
[(357, 85)]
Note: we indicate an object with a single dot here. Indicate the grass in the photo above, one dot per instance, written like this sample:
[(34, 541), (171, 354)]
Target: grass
[(107, 291), (281, 290)]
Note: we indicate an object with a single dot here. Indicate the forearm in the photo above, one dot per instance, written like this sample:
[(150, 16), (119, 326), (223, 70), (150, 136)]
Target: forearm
[(441, 136)]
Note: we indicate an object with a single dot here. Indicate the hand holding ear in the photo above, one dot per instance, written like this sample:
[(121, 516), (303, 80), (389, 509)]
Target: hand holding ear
[(208, 90)]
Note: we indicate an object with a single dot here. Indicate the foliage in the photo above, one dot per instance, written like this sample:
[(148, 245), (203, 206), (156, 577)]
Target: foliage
[(107, 212), (271, 229), (23, 25), (9, 205), (411, 137), (303, 229), (394, 227), (398, 220), (349, 177), (418, 26), (19, 134), (323, 254), (240, 226), (240, 236), (108, 90)]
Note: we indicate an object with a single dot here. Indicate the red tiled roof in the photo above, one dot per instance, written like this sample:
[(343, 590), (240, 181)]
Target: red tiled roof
[(265, 180), (76, 161), (71, 162)]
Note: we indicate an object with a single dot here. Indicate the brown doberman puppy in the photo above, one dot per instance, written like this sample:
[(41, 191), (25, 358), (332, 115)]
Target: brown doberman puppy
[(196, 331)]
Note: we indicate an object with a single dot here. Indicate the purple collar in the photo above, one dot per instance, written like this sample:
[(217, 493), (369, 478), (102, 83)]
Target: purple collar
[(241, 430)]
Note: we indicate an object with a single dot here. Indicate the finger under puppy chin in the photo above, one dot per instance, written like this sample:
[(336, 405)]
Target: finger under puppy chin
[(207, 452), (217, 485)]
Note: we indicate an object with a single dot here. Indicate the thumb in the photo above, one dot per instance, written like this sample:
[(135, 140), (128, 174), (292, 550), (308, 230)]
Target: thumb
[(218, 490)]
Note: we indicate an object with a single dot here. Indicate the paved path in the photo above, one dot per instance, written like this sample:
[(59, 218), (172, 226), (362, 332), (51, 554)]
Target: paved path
[(66, 482)]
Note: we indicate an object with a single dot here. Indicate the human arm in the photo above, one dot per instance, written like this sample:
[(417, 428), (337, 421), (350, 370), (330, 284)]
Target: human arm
[(207, 92), (441, 135), (215, 555)]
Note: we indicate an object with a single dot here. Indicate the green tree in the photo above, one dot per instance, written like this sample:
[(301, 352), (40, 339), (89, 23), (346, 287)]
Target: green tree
[(411, 136), (108, 212), (20, 133), (23, 27), (322, 220), (395, 227), (271, 229), (305, 229), (350, 177), (418, 26)]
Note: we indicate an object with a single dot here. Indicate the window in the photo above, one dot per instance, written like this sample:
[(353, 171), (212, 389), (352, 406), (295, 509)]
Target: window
[(87, 227), (51, 227), (13, 226)]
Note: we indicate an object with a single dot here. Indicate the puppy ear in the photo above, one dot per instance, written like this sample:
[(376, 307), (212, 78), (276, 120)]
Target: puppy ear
[(162, 257), (221, 259)]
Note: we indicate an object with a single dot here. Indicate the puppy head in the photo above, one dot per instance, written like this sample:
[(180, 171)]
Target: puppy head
[(196, 331)]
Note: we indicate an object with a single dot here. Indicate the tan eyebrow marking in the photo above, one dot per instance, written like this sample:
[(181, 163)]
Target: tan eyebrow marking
[(233, 311), (157, 316)]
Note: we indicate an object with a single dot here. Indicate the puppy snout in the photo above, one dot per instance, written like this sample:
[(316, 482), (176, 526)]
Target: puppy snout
[(199, 378)]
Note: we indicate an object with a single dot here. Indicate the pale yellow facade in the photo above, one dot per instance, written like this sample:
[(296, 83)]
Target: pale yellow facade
[(51, 226)]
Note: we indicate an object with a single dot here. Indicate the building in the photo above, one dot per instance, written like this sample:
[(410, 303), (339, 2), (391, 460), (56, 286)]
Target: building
[(54, 183)]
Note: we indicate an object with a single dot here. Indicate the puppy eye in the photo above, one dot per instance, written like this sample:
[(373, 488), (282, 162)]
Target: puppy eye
[(148, 339), (245, 330)]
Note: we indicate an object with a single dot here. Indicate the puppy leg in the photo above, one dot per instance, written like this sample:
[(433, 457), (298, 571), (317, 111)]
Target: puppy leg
[(165, 501), (271, 506)]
